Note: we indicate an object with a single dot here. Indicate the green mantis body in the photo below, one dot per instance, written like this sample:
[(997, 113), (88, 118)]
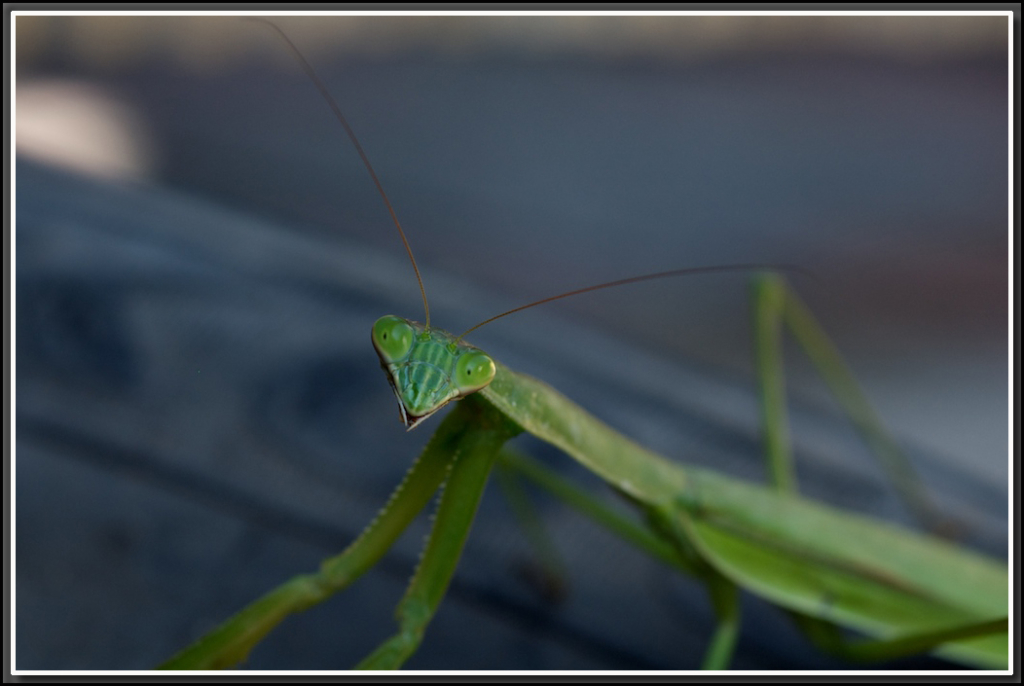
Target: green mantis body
[(831, 570), (913, 592)]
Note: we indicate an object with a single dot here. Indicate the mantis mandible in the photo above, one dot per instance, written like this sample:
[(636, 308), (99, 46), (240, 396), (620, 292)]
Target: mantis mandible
[(909, 592)]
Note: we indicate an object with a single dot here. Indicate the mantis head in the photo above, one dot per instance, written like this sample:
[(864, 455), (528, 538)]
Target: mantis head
[(427, 368)]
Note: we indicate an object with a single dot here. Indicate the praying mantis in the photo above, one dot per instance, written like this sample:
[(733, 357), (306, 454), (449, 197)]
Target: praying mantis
[(726, 533)]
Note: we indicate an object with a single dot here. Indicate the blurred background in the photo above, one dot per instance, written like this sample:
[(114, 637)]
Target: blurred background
[(200, 255)]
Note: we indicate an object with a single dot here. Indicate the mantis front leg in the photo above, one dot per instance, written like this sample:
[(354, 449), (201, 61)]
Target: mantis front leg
[(230, 643), (471, 462)]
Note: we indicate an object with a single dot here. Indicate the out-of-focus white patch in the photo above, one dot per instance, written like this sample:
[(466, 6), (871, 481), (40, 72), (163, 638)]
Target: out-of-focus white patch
[(81, 127)]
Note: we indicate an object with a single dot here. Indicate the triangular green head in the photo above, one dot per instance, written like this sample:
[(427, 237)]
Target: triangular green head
[(427, 368)]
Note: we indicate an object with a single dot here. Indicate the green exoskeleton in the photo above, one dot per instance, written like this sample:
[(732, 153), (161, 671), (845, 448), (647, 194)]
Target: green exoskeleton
[(829, 569), (427, 368)]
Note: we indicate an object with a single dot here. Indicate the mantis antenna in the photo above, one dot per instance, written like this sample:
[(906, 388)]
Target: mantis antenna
[(315, 78), (311, 73), (645, 277)]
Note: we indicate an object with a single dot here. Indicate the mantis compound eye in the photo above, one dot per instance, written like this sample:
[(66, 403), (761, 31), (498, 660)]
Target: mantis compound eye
[(392, 337), (473, 370)]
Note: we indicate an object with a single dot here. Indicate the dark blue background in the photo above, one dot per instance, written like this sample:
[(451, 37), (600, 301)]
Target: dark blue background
[(200, 414)]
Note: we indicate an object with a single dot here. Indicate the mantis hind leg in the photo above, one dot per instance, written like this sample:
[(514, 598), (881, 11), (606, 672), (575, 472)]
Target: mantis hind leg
[(775, 305)]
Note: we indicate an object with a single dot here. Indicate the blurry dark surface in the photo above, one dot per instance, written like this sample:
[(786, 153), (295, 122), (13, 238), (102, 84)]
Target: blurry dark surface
[(201, 416)]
